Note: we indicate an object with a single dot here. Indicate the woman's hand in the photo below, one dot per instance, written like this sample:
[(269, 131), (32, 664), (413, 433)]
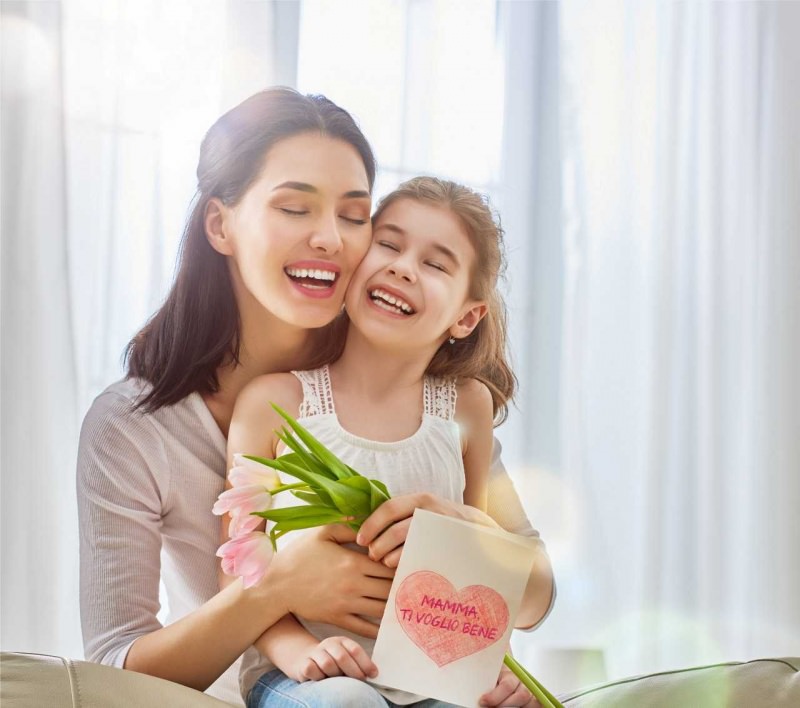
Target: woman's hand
[(334, 656), (509, 691), (386, 528), (322, 581)]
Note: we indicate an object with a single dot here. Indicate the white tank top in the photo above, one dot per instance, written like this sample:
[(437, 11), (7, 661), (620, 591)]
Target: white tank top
[(427, 461)]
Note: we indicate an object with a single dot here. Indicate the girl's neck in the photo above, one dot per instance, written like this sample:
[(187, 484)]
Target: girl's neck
[(372, 373), (378, 392)]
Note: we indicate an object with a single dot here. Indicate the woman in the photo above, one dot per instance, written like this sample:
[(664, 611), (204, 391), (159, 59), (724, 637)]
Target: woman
[(280, 221)]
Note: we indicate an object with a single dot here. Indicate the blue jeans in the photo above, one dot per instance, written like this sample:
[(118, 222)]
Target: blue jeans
[(276, 690)]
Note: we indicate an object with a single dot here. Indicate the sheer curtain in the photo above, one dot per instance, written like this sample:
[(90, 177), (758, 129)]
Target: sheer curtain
[(679, 445), (104, 106)]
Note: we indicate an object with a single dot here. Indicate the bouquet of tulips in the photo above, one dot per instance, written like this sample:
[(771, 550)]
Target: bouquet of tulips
[(333, 492)]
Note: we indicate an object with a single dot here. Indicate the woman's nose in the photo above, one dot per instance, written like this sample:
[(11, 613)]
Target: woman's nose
[(326, 237)]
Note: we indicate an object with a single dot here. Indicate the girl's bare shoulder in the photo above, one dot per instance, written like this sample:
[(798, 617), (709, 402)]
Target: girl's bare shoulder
[(283, 389)]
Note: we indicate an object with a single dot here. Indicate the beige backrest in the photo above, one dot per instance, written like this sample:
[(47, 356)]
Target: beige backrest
[(36, 680), (762, 683)]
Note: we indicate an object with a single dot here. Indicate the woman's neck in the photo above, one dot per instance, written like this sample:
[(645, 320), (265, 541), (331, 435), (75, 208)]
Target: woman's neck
[(265, 347)]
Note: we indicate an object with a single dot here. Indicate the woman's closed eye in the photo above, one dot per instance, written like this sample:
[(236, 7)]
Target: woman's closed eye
[(357, 220), (293, 212)]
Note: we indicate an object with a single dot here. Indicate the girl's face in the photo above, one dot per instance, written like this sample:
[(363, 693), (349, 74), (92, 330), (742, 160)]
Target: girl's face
[(298, 233), (412, 288)]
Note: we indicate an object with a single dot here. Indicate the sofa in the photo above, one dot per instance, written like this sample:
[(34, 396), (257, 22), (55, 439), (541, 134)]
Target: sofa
[(37, 681)]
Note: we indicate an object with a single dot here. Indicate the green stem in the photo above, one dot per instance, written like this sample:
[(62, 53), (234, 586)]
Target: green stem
[(539, 692), (286, 487)]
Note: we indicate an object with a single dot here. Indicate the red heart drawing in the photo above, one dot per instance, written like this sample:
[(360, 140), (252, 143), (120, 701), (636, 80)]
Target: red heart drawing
[(449, 625)]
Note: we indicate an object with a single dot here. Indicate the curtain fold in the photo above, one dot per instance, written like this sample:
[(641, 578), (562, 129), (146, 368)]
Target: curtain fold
[(39, 419), (679, 394), (104, 106)]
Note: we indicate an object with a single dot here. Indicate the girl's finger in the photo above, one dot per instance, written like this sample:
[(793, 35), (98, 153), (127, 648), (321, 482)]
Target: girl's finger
[(361, 657), (311, 672), (345, 662), (327, 664), (391, 538)]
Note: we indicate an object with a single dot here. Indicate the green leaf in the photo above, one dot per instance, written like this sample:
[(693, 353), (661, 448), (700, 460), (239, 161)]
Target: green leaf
[(301, 456), (308, 497), (380, 485), (349, 500), (297, 512), (339, 468), (269, 462)]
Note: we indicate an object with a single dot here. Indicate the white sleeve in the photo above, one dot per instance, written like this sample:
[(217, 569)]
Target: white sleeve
[(505, 507), (121, 463)]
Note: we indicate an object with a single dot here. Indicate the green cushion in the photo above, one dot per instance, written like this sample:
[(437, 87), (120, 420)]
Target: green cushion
[(767, 683)]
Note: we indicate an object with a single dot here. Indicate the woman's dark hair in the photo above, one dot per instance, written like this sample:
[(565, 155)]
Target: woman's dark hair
[(197, 329)]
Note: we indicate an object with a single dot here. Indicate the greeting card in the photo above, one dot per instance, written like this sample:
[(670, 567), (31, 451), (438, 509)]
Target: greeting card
[(451, 609)]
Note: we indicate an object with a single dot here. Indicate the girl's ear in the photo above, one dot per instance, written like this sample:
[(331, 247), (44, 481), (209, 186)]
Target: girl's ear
[(469, 320), (216, 221)]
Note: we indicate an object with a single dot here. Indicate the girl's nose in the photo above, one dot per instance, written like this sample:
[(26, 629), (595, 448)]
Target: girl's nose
[(403, 269)]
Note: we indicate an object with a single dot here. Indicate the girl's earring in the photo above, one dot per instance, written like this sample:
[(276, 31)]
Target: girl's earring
[(452, 340)]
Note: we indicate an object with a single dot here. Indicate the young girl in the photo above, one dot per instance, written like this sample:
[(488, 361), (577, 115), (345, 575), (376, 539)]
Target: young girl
[(410, 397)]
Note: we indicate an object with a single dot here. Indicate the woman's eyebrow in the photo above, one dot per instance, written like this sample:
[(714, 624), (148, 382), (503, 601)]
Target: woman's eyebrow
[(311, 189)]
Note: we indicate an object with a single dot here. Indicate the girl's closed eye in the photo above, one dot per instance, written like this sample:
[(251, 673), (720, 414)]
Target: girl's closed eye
[(437, 266), (389, 245)]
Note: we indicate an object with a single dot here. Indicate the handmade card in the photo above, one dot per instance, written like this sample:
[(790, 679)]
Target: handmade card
[(451, 609)]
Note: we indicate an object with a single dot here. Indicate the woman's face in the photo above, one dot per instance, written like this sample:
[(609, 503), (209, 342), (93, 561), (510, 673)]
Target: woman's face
[(298, 233)]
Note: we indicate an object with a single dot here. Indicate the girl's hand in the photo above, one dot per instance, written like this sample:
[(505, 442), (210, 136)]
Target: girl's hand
[(509, 691), (322, 581), (385, 530), (335, 656)]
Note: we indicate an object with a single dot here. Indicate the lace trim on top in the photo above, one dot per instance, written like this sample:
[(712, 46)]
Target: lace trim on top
[(317, 392), (439, 395)]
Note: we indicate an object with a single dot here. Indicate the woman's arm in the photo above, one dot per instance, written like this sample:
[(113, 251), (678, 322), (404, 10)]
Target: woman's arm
[(122, 478), (474, 415), (121, 485)]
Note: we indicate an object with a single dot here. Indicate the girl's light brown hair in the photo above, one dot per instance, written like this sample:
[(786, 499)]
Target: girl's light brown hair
[(483, 354)]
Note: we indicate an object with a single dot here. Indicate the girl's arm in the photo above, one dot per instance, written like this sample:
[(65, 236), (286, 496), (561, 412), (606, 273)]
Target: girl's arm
[(287, 644), (302, 657)]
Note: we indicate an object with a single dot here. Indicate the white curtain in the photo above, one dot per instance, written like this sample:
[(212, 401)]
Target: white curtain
[(674, 523), (104, 105)]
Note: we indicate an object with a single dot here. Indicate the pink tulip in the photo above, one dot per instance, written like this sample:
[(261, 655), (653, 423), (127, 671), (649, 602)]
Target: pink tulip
[(242, 524), (247, 556), (245, 473), (241, 501)]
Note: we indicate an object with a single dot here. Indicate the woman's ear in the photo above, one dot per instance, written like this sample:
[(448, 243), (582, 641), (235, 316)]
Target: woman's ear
[(469, 320), (216, 221)]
